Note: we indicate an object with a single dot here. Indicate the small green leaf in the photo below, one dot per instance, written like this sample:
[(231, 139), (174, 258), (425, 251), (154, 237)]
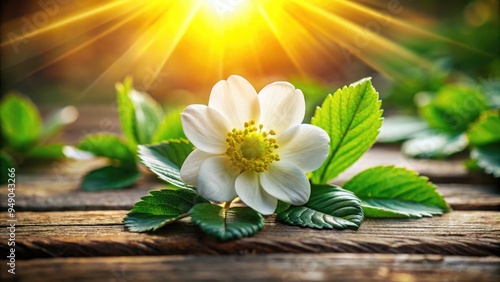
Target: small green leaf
[(488, 158), (434, 146), (109, 146), (282, 206), (109, 178), (329, 207), (453, 108), (388, 191), (352, 118), (400, 128), (161, 208), (46, 152), (486, 129), (166, 159), (238, 222), (6, 162), (148, 116), (20, 121), (126, 111), (58, 120), (170, 127)]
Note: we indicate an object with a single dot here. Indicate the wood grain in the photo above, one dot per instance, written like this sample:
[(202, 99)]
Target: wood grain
[(100, 233), (277, 267)]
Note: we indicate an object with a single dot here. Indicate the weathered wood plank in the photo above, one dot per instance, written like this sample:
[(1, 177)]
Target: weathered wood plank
[(278, 267), (100, 233), (42, 194)]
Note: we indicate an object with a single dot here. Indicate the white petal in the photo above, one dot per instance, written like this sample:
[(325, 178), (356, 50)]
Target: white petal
[(236, 99), (191, 166), (304, 145), (282, 106), (253, 195), (286, 182), (216, 179), (206, 128)]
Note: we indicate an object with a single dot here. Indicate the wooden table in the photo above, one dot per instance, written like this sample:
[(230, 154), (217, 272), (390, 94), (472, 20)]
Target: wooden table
[(65, 234)]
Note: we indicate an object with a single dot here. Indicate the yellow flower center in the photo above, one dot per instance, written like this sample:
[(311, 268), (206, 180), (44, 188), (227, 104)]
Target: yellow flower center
[(252, 149)]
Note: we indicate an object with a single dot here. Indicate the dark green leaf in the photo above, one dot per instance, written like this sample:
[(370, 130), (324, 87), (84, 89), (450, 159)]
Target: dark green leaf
[(486, 129), (352, 118), (329, 207), (161, 208), (6, 162), (109, 178), (434, 146), (400, 128), (170, 128), (166, 159), (388, 191), (488, 158), (47, 152), (20, 121), (109, 146), (454, 108), (58, 120), (238, 222)]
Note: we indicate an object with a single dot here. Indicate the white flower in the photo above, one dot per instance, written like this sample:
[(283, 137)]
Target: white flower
[(252, 146)]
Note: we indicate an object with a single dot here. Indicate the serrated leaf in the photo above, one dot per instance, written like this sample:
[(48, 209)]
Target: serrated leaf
[(400, 128), (238, 222), (434, 146), (46, 152), (109, 178), (161, 208), (488, 158), (170, 127), (166, 159), (109, 146), (388, 191), (20, 121), (486, 129), (126, 111), (329, 207), (352, 118), (6, 162), (453, 108)]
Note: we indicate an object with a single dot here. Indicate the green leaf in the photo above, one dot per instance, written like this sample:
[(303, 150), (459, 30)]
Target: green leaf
[(161, 208), (400, 128), (486, 129), (58, 120), (109, 178), (46, 152), (329, 207), (453, 108), (126, 111), (166, 159), (281, 207), (148, 116), (6, 162), (435, 146), (170, 127), (238, 222), (488, 158), (388, 191), (20, 121), (109, 146), (352, 118)]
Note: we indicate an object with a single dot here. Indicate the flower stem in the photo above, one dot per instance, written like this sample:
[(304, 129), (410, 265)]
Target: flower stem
[(225, 206)]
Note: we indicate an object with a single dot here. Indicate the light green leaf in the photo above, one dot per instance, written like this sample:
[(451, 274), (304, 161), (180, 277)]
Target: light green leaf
[(238, 222), (434, 146), (388, 191), (400, 128), (6, 162), (352, 118), (166, 159), (282, 206), (486, 129), (329, 207), (20, 121), (109, 146), (453, 108), (488, 158), (148, 116), (170, 127), (161, 208), (58, 120), (109, 178), (46, 152), (126, 111)]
